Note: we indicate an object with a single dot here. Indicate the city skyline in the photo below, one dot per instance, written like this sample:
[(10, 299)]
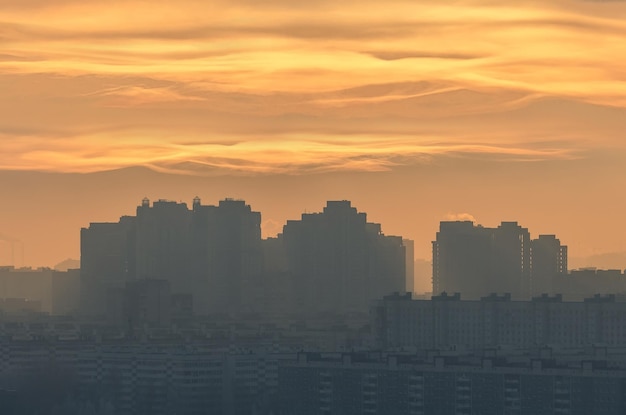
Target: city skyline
[(416, 112), (213, 259), (13, 251), (278, 207)]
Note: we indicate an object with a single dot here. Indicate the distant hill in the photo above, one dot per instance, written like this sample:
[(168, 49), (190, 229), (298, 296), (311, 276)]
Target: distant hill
[(67, 264), (610, 260)]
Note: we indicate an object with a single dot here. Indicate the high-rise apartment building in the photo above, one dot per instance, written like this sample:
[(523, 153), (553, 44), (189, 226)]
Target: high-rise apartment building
[(510, 258), (549, 260), (211, 252), (339, 262), (462, 258), (107, 261), (329, 262), (227, 256), (475, 261), (162, 248)]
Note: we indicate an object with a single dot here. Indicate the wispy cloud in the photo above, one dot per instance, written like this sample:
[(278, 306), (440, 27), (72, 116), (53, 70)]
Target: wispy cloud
[(293, 88), (293, 155), (123, 96)]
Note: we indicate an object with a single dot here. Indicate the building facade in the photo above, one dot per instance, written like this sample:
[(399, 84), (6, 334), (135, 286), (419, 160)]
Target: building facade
[(475, 261), (338, 262), (449, 385), (210, 252), (447, 320)]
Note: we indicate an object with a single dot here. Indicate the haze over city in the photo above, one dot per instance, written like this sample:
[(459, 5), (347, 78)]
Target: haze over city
[(283, 207), (415, 111)]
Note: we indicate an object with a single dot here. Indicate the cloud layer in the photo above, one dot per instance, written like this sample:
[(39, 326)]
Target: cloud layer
[(218, 87)]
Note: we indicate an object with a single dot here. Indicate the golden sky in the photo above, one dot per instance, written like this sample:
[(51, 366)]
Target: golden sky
[(289, 87), (263, 89)]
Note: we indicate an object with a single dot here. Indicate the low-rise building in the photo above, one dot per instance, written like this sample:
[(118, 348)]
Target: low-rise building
[(402, 322)]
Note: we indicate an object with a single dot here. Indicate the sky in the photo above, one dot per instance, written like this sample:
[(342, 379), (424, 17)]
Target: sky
[(417, 111)]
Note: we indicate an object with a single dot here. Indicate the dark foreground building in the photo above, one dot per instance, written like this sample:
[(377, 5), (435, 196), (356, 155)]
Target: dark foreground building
[(449, 385), (448, 320), (213, 377)]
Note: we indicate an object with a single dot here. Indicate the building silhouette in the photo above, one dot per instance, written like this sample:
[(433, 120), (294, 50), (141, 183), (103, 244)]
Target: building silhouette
[(40, 290), (210, 252), (452, 383), (227, 256), (462, 258), (511, 260), (498, 321), (579, 284), (338, 262), (330, 262), (475, 261), (107, 261), (162, 243), (549, 260), (142, 302)]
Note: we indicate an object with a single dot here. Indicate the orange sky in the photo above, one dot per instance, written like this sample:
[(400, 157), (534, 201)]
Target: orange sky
[(398, 90)]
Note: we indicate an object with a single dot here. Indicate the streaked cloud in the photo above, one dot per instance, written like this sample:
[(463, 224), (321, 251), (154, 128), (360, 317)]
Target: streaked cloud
[(217, 87)]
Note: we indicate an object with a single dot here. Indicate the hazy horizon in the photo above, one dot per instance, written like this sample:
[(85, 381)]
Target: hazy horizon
[(417, 112), (47, 217)]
